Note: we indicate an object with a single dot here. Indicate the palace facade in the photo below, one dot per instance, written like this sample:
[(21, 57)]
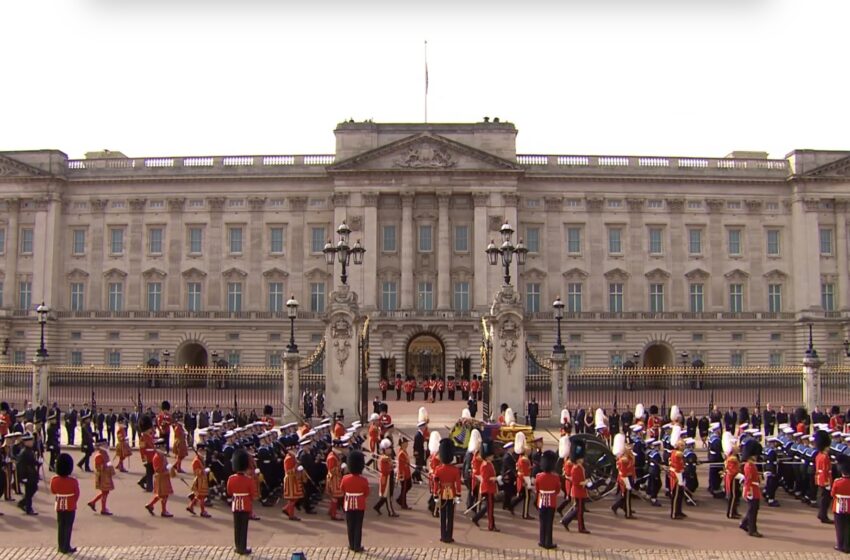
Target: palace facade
[(657, 259)]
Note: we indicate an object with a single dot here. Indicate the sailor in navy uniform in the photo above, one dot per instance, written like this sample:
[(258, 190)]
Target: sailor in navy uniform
[(653, 483), (639, 450), (715, 461), (771, 472), (691, 462)]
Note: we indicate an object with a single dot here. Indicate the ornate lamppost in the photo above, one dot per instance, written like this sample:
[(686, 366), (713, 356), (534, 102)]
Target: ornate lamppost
[(342, 252), (558, 307), (506, 251), (42, 311), (811, 379), (292, 312)]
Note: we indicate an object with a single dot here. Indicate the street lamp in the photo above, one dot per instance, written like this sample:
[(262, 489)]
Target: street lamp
[(42, 311), (846, 347), (811, 355), (506, 250), (558, 306), (342, 252), (684, 356), (165, 355), (292, 311), (214, 355)]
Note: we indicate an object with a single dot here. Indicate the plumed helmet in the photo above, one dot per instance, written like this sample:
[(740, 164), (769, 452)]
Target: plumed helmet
[(165, 405), (446, 451), (639, 411), (486, 449), (268, 410), (835, 410), (465, 414), (510, 417), (386, 443), (577, 451), (674, 413), (145, 423), (503, 407), (4, 406), (599, 417), (548, 461), (519, 443), (474, 441), (802, 414), (423, 414), (64, 465), (728, 443), (653, 409), (564, 447), (356, 462), (619, 445), (239, 461), (565, 416), (752, 448), (675, 435), (822, 440), (434, 442), (373, 417)]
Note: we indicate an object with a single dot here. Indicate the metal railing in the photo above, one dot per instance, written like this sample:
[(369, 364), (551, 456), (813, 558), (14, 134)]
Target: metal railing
[(538, 384)]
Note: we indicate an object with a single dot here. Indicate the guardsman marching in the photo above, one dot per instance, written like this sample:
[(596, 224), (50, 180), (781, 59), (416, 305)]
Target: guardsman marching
[(384, 386), (487, 488), (676, 474), (451, 386), (333, 482), (507, 477), (86, 441), (475, 388), (398, 385), (823, 475), (66, 490), (103, 482), (578, 489), (841, 508), (54, 446), (163, 424), (566, 471), (752, 487), (547, 484), (473, 453), (293, 485), (181, 449), (386, 486), (374, 433), (433, 463), (146, 451), (653, 424), (419, 455), (201, 483), (447, 480), (27, 472), (625, 475), (403, 475), (731, 481), (523, 476), (836, 420), (162, 473), (356, 490), (242, 490), (122, 445)]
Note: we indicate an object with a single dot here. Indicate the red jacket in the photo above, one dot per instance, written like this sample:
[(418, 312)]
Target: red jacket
[(625, 469), (447, 479), (488, 478), (733, 467), (67, 492), (841, 494), (823, 470), (752, 482), (243, 491), (548, 485), (403, 465), (568, 476), (577, 489), (356, 490), (677, 466)]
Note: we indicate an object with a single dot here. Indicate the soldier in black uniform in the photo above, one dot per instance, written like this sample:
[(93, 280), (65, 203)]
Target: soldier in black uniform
[(71, 424), (27, 468), (771, 472), (419, 455), (715, 460), (614, 423), (508, 476), (86, 441), (768, 417), (653, 483), (53, 439), (691, 462), (111, 420)]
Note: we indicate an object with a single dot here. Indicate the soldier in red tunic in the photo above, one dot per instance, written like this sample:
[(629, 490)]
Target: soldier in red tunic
[(823, 475), (548, 484), (578, 489), (243, 491), (475, 388), (398, 387), (385, 486), (451, 386), (403, 473), (268, 416), (104, 471), (447, 479), (163, 424), (162, 473), (840, 494), (566, 472), (146, 451), (374, 434), (676, 475), (293, 485), (752, 487), (488, 487), (200, 484), (732, 484), (523, 476), (625, 475), (122, 445), (356, 490), (384, 386), (333, 482), (66, 490), (181, 448)]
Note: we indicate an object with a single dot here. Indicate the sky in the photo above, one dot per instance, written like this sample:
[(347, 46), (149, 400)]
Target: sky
[(217, 77)]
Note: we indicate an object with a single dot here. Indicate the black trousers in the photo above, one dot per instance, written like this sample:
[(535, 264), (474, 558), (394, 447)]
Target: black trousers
[(770, 485), (677, 497), (533, 421), (624, 502), (72, 432), (65, 525), (733, 499), (240, 530), (398, 394), (508, 493), (354, 524), (488, 511), (451, 395), (383, 395), (547, 518), (525, 498), (147, 478), (575, 512), (750, 520), (842, 532), (824, 503), (714, 480), (30, 488), (447, 520), (84, 462)]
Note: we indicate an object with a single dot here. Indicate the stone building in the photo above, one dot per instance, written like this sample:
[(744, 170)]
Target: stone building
[(660, 259)]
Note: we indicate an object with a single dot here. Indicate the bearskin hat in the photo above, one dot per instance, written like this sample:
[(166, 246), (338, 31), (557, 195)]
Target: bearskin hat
[(577, 451), (752, 448), (447, 451), (356, 462), (268, 410), (835, 410), (486, 450), (64, 465), (4, 406), (165, 405), (801, 414), (653, 409), (548, 461), (145, 423), (822, 440), (844, 466), (384, 407), (239, 461), (503, 407)]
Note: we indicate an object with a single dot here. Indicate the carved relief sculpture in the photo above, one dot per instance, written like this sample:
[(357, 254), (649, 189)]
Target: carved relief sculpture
[(424, 156)]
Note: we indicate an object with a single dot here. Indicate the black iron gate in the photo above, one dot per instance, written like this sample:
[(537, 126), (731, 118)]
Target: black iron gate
[(486, 366), (538, 384), (363, 348)]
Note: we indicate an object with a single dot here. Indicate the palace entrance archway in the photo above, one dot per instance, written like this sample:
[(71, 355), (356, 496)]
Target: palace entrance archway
[(192, 354), (658, 355), (425, 356)]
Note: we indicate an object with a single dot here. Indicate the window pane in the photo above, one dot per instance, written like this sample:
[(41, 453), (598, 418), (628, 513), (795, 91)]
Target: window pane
[(26, 240), (736, 298), (574, 240), (773, 242), (117, 241), (426, 296), (154, 296), (656, 298), (317, 239), (825, 241), (79, 241), (116, 296), (532, 241), (696, 297), (2, 241), (615, 298), (615, 244), (276, 297), (196, 236), (1, 294), (25, 295), (695, 241), (193, 296), (389, 244), (236, 240), (276, 241), (461, 298), (574, 298), (389, 294), (76, 358), (461, 239), (77, 303), (155, 240), (425, 242), (734, 241), (317, 297), (774, 298), (827, 296), (114, 358), (234, 297), (532, 298), (655, 246)]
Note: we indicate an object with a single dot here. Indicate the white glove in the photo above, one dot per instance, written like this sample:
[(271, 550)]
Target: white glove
[(206, 471), (739, 477), (527, 481), (40, 462), (167, 467), (680, 478), (627, 483), (300, 468), (457, 500), (109, 465), (256, 471), (499, 480)]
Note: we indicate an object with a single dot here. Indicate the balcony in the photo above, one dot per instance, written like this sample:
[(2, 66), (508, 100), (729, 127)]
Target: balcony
[(200, 166), (186, 315)]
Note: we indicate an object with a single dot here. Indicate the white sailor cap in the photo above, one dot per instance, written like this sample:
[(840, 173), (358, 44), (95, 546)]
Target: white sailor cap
[(714, 426), (509, 445), (806, 437), (847, 437), (836, 433), (306, 441), (798, 434), (771, 439), (351, 430), (421, 424), (667, 426), (636, 428), (289, 426), (650, 441), (657, 442), (783, 426), (754, 431), (787, 430), (744, 425), (345, 438), (690, 441), (356, 424)]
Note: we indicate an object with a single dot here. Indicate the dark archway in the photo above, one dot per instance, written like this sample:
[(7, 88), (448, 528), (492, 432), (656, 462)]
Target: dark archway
[(658, 355), (192, 354), (425, 356)]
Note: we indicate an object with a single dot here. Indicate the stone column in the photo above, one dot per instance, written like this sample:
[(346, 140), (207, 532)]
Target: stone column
[(370, 243), (802, 243), (636, 251), (40, 380), (841, 206), (678, 254), (291, 386), (214, 252), (811, 376), (408, 249), (11, 268), (135, 249), (174, 259), (297, 207), (341, 331), (507, 373), (559, 384), (444, 253), (47, 242), (595, 249), (714, 294), (256, 252), (480, 296), (95, 294)]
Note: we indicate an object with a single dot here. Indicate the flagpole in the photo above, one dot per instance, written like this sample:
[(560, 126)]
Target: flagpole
[(426, 82)]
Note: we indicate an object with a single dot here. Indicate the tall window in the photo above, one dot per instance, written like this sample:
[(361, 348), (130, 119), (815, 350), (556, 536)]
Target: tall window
[(734, 241), (615, 240), (574, 362), (26, 241), (24, 295), (79, 246), (389, 240), (234, 358), (656, 298), (276, 300), (114, 358), (774, 298), (426, 296), (574, 240), (462, 239), (196, 240), (695, 241), (426, 244), (461, 296), (736, 298), (655, 242), (574, 297), (615, 297), (76, 358), (773, 242), (532, 297), (697, 301), (235, 239), (77, 302), (274, 360), (155, 240), (317, 297), (193, 296), (827, 296), (317, 239), (774, 358), (116, 296), (234, 297), (2, 241), (389, 296), (736, 358), (276, 240), (1, 294), (825, 241), (532, 239), (116, 241), (20, 357), (154, 296)]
